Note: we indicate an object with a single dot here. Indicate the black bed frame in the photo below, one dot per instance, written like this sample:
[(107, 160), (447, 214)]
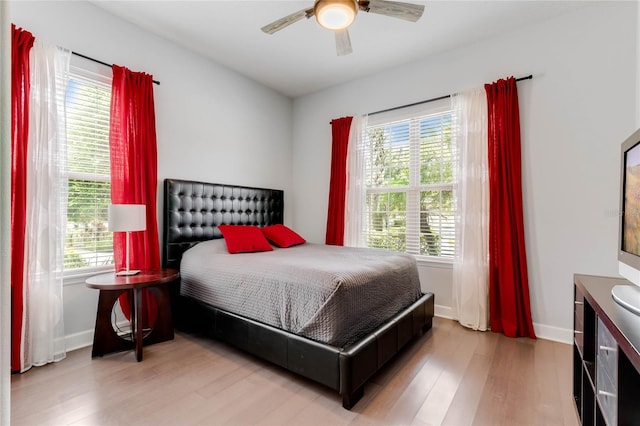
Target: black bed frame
[(192, 213)]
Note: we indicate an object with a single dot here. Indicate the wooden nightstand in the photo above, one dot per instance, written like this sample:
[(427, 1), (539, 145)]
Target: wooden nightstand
[(105, 339)]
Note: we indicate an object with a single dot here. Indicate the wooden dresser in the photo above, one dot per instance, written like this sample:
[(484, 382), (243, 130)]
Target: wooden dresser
[(606, 360)]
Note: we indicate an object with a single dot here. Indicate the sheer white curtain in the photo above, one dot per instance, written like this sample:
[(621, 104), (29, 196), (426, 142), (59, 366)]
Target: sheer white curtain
[(46, 206), (355, 196), (470, 269)]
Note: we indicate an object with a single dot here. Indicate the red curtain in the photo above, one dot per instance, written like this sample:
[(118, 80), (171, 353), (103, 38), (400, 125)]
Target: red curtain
[(22, 41), (134, 174), (338, 184), (509, 310)]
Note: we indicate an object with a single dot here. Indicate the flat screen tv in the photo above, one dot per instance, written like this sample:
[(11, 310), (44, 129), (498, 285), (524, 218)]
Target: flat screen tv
[(629, 227)]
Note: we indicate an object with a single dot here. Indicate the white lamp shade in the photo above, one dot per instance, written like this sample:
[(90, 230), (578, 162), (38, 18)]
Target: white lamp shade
[(127, 217)]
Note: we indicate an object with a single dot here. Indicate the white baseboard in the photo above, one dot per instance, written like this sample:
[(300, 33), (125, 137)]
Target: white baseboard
[(542, 331), (556, 334), (443, 312), (84, 338), (78, 340)]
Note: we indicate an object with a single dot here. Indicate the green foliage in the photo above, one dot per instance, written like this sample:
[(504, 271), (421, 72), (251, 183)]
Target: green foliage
[(72, 260), (88, 201), (395, 242)]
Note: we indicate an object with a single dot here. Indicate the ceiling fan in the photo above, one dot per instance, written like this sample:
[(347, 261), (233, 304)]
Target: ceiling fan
[(338, 15)]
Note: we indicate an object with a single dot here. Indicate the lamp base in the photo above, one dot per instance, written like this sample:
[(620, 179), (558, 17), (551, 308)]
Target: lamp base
[(127, 272)]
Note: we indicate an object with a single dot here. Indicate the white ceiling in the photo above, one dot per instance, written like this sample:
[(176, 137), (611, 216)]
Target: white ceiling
[(301, 58)]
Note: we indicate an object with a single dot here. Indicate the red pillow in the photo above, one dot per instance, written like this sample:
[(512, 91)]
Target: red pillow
[(244, 239), (281, 236)]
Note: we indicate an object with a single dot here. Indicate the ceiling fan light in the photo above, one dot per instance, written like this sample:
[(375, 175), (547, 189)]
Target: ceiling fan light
[(335, 14)]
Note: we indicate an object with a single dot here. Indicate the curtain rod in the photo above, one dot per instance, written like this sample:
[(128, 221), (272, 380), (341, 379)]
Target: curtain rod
[(529, 77), (101, 62)]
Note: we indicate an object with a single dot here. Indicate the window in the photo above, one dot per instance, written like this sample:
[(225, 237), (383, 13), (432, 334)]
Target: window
[(409, 163), (89, 244)]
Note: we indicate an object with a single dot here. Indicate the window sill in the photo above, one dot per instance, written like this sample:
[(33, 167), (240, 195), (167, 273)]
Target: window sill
[(434, 263), (79, 277)]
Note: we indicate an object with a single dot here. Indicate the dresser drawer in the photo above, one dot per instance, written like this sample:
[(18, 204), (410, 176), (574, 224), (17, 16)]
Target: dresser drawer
[(607, 398), (607, 374), (607, 353)]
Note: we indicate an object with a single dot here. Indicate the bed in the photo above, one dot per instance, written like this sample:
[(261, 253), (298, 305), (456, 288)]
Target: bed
[(342, 355)]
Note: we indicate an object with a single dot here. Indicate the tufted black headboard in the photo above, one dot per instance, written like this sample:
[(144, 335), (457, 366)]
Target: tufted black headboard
[(193, 211)]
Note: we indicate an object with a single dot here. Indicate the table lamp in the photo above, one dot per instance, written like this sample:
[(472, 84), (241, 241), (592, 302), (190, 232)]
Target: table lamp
[(127, 218)]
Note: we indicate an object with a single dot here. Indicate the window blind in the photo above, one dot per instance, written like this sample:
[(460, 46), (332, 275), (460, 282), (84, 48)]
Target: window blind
[(88, 243), (409, 155)]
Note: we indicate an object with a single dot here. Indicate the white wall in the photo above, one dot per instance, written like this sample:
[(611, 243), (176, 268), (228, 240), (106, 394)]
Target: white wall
[(579, 107), (212, 123)]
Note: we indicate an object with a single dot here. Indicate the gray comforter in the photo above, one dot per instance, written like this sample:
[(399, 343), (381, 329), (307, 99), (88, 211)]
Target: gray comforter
[(326, 293)]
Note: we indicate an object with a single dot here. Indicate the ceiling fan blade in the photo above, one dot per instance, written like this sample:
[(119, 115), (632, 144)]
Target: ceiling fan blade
[(407, 11), (343, 42), (287, 20)]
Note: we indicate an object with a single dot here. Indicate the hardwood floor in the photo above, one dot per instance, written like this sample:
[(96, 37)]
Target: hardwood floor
[(450, 376)]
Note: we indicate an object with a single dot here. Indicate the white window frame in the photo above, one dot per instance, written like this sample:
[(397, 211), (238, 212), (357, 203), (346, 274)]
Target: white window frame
[(413, 114), (88, 70)]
